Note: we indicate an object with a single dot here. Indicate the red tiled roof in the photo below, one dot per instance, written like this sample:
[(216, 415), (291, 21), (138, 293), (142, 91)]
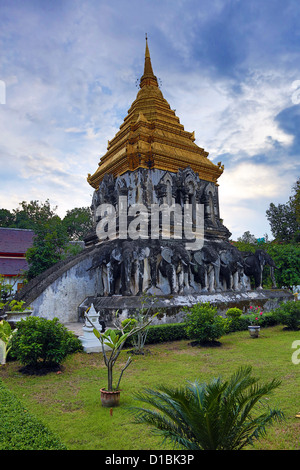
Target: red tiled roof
[(12, 266), (13, 240)]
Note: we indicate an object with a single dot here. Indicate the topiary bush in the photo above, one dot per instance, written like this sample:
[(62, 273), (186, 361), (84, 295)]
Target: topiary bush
[(204, 324), (42, 343)]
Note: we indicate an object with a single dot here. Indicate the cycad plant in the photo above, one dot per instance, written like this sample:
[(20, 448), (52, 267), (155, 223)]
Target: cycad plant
[(220, 415)]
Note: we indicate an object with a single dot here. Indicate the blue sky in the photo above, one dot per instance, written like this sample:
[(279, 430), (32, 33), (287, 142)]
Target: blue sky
[(229, 68)]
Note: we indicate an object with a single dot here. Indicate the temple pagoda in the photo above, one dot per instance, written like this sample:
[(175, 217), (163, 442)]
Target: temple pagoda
[(151, 136)]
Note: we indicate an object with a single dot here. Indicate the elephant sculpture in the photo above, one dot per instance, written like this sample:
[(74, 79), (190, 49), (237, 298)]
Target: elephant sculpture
[(102, 263), (254, 264), (206, 269), (232, 268), (174, 266), (133, 257)]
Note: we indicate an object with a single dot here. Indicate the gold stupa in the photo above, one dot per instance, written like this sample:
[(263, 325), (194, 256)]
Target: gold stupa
[(151, 136)]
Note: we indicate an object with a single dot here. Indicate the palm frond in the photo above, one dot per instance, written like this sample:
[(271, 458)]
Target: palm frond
[(218, 415)]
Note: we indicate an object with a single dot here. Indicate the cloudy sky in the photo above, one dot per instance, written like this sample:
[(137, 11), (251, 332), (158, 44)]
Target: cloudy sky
[(230, 68)]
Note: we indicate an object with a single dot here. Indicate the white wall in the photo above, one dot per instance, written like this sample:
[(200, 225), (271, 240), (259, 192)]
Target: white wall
[(62, 298)]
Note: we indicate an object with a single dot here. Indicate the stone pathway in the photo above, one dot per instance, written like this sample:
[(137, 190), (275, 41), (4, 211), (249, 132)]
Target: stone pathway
[(76, 327)]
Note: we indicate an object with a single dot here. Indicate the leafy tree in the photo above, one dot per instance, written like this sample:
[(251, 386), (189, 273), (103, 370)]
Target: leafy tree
[(220, 415), (52, 234), (295, 200), (78, 222), (48, 247), (6, 218), (285, 218), (247, 237), (287, 260), (31, 215)]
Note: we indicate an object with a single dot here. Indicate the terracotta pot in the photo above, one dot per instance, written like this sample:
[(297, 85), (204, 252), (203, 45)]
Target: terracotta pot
[(254, 331), (110, 399)]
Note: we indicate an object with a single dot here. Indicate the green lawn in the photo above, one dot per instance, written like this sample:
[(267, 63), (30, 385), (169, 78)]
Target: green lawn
[(69, 403)]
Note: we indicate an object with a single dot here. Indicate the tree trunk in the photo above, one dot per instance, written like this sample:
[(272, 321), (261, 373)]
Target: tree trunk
[(110, 376)]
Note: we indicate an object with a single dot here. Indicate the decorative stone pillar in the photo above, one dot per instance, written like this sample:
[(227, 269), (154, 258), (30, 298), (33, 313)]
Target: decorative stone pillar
[(89, 340)]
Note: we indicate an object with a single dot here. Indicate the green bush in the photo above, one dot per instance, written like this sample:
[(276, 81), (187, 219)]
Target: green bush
[(166, 332), (234, 315), (234, 312), (39, 340), (288, 314), (163, 333), (19, 430), (204, 324)]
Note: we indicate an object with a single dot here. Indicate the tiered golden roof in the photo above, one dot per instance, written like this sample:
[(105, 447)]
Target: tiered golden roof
[(151, 136)]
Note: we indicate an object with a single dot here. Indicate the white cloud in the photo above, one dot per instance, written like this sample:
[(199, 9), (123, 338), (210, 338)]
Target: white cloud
[(70, 78)]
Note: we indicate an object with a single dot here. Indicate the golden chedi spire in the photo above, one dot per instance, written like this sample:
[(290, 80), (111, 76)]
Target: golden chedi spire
[(151, 136)]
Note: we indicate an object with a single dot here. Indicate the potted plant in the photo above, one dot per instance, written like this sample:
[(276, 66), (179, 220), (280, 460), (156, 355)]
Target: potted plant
[(112, 342), (255, 318)]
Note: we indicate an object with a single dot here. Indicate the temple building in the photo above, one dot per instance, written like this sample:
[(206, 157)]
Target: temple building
[(157, 228), (152, 159)]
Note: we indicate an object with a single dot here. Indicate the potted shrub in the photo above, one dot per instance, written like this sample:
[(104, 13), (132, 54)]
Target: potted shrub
[(112, 342), (255, 316)]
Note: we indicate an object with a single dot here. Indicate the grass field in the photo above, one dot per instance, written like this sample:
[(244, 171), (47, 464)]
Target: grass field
[(69, 402)]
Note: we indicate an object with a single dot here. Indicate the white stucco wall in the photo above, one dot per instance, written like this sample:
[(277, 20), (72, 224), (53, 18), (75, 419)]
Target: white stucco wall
[(62, 298)]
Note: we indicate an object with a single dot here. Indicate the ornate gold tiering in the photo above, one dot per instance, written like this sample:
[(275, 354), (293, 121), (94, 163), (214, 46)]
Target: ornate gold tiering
[(151, 136)]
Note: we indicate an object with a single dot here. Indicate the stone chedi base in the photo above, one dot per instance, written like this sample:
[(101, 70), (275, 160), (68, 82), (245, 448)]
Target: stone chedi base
[(172, 307)]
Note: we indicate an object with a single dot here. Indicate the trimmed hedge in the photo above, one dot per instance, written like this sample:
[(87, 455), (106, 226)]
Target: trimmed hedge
[(177, 331), (166, 332), (163, 333), (19, 430)]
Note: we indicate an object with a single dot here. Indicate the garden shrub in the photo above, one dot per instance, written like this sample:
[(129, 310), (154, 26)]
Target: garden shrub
[(163, 333), (19, 430), (204, 324), (288, 314), (166, 332), (38, 340), (234, 314)]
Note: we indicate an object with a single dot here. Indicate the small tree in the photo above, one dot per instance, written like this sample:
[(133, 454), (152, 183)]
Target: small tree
[(48, 247), (141, 320), (203, 323), (115, 340), (220, 415)]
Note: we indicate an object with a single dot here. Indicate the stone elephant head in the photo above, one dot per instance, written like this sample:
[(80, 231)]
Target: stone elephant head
[(232, 267), (254, 264), (133, 257), (174, 266), (206, 268)]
